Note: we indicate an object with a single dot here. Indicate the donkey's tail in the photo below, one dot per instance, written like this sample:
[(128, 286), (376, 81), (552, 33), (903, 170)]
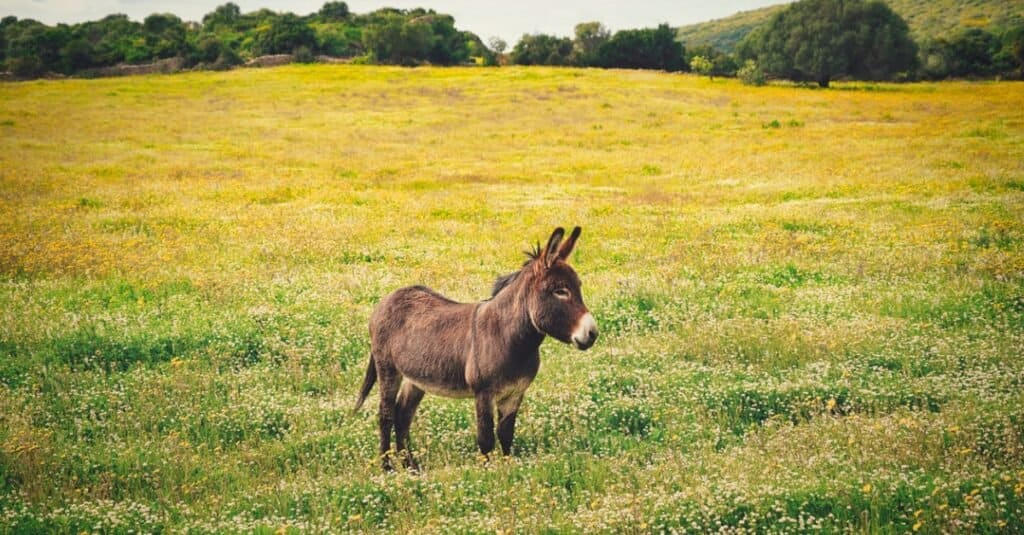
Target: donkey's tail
[(371, 377)]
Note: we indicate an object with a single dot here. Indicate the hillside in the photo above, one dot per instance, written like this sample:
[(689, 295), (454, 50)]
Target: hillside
[(927, 18)]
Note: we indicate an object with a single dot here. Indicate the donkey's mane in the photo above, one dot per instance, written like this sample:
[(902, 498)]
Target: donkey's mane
[(505, 281)]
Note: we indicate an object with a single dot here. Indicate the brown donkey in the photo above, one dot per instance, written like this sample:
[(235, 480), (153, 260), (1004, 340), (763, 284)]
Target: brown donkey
[(421, 341)]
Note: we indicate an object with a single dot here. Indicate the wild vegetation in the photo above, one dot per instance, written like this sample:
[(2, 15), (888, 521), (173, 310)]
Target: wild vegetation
[(810, 40), (819, 40), (928, 19), (811, 301), (227, 37)]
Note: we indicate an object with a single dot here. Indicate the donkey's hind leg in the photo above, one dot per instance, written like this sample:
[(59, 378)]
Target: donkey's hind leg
[(389, 380), (409, 397)]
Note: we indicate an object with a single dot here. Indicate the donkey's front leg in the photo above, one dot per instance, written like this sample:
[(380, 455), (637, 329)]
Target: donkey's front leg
[(507, 410), (484, 422)]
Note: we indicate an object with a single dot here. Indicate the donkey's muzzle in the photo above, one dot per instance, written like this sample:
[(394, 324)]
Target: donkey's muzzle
[(585, 333)]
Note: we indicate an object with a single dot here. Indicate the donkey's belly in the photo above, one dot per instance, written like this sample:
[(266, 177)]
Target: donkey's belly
[(445, 390)]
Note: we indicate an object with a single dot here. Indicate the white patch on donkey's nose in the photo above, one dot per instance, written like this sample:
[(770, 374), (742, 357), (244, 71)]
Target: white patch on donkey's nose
[(585, 333)]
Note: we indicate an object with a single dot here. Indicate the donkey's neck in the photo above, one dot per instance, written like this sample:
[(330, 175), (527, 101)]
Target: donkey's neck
[(508, 316)]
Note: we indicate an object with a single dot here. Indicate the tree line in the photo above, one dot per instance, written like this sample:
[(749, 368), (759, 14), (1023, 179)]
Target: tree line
[(227, 37), (811, 40)]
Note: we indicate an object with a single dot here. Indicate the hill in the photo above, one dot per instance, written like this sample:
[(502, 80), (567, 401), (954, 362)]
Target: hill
[(926, 18)]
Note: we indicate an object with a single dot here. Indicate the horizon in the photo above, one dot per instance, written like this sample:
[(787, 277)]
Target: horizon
[(509, 21)]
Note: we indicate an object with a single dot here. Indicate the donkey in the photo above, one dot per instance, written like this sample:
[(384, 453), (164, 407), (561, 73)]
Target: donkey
[(421, 341)]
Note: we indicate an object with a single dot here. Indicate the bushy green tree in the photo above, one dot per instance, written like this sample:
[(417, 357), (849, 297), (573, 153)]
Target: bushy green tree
[(396, 40), (751, 74), (333, 12), (541, 49), (820, 40), (722, 64), (972, 53), (34, 48), (649, 48), (449, 46), (284, 35), (165, 35), (589, 38), (701, 65), (225, 16), (1013, 49), (5, 22), (341, 40)]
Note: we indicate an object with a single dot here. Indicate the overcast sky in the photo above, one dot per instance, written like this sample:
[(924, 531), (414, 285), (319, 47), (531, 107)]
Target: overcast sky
[(508, 20)]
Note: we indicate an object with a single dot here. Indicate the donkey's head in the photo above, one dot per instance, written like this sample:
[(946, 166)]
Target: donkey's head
[(555, 303)]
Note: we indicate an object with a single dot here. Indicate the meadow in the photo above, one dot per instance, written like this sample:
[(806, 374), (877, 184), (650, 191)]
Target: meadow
[(811, 301)]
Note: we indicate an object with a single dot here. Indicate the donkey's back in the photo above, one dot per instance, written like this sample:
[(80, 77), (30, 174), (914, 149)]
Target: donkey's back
[(425, 336)]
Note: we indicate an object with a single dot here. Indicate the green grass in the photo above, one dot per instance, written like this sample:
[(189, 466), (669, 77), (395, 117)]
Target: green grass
[(811, 302)]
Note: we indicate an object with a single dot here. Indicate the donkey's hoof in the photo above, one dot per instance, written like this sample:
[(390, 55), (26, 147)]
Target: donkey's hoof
[(385, 462), (409, 462)]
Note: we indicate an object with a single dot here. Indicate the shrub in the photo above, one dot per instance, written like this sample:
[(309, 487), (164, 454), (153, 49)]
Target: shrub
[(303, 54), (751, 74)]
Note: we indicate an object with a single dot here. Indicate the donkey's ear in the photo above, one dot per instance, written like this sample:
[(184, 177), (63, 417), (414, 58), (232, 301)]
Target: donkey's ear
[(566, 248), (550, 253)]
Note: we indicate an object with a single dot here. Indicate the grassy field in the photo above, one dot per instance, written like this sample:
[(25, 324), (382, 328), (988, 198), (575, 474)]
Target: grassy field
[(811, 301)]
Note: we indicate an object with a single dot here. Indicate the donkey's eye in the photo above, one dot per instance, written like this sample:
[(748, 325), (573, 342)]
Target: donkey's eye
[(562, 293)]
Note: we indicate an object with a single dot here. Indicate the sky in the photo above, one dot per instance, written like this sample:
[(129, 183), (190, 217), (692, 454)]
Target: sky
[(508, 20)]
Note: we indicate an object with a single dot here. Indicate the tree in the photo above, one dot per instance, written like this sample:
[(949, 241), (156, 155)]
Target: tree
[(226, 15), (721, 64), (702, 65), (972, 53), (751, 74), (589, 38), (338, 40), (34, 48), (165, 35), (398, 41), (449, 45), (1013, 48), (819, 40), (541, 49), (77, 55), (6, 22), (497, 44), (333, 12), (285, 35), (649, 48)]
